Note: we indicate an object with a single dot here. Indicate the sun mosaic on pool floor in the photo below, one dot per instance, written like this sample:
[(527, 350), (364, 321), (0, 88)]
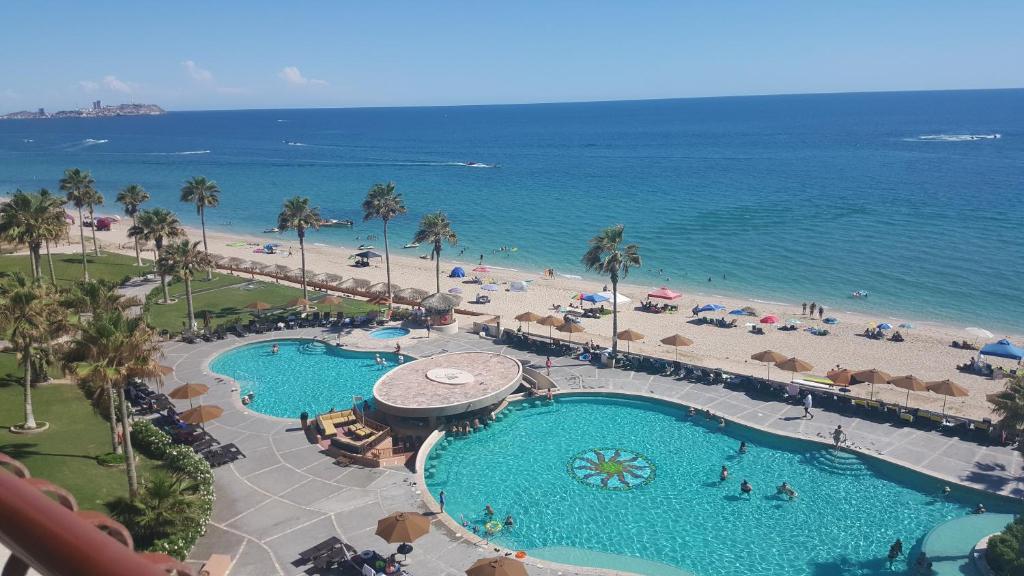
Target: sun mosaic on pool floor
[(611, 469)]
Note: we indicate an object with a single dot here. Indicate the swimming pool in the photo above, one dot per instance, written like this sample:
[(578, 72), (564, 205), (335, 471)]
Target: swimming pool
[(305, 375), (389, 333), (540, 464)]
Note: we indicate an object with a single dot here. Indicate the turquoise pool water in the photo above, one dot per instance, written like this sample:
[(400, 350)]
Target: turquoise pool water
[(535, 464), (389, 333), (304, 375)]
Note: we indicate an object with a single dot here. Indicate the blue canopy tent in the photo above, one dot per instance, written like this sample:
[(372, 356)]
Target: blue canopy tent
[(594, 298), (457, 272), (711, 308), (1002, 349)]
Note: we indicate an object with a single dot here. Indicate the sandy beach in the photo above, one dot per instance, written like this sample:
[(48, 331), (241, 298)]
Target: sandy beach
[(926, 353)]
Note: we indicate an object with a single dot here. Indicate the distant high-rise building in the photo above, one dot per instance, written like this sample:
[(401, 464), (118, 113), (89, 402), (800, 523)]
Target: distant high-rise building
[(96, 105), (42, 112)]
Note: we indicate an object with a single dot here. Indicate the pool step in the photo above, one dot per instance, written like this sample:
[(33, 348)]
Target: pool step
[(842, 463), (313, 349)]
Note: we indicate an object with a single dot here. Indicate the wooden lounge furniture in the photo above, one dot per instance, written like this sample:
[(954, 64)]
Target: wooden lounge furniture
[(330, 422)]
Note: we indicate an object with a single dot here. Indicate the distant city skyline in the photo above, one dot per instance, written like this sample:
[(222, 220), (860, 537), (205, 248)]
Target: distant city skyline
[(261, 54)]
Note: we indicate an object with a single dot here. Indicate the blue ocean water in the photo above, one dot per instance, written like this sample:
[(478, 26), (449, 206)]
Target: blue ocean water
[(911, 196)]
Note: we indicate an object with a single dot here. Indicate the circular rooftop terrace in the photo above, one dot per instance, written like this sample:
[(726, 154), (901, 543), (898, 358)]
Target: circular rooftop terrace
[(447, 384)]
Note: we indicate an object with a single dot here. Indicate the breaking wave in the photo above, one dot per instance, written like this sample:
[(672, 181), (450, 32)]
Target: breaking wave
[(955, 137)]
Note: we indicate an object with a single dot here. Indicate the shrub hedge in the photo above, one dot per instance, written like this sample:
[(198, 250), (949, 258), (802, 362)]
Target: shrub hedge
[(1006, 550)]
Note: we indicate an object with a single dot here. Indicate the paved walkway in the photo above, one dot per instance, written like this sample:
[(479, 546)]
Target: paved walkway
[(287, 495)]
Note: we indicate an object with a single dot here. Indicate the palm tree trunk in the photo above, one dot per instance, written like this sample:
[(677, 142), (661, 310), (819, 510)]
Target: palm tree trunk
[(49, 261), (437, 265), (188, 302), (81, 238), (113, 420), (33, 261), (95, 247), (163, 282), (302, 254), (387, 262), (615, 318), (30, 417), (138, 255), (202, 220), (129, 452)]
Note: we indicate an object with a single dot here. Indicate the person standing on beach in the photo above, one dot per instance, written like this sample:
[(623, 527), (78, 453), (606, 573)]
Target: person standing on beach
[(821, 312), (813, 306), (838, 436), (805, 309), (547, 364), (481, 259), (807, 406)]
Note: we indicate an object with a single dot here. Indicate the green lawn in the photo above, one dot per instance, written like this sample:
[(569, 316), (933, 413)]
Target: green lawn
[(68, 267), (64, 454), (225, 298)]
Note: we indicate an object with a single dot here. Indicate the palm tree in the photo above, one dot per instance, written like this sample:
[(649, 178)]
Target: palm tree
[(157, 225), (297, 215), (436, 229), (110, 350), (185, 259), (204, 194), (1010, 404), (132, 197), (30, 317), (96, 297), (55, 226), (384, 203), (78, 186), (164, 506), (608, 257), (27, 218)]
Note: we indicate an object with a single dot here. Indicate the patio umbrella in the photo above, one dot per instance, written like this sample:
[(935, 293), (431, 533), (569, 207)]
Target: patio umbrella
[(280, 270), (299, 302), (738, 312), (439, 303), (1002, 349), (528, 317), (840, 376), (258, 306), (570, 328), (331, 279), (379, 300), (663, 293), (201, 414), (382, 288), (355, 284), (770, 357), (947, 388), (550, 322), (910, 383), (490, 287), (769, 319), (411, 294), (402, 527), (497, 566), (518, 286), (873, 376), (218, 258), (884, 326), (164, 370), (621, 299), (629, 336), (235, 262), (794, 365), (366, 255), (189, 391), (594, 298), (710, 308), (676, 340), (483, 269), (329, 300)]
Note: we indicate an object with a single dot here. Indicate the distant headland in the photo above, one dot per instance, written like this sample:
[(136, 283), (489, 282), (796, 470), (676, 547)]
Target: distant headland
[(98, 110)]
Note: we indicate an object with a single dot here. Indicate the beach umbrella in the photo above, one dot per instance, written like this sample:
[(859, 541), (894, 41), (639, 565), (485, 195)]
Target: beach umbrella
[(910, 383), (840, 376), (794, 365), (331, 279), (218, 258), (676, 340), (770, 357), (528, 317), (457, 272), (455, 290), (884, 326), (947, 388), (382, 288), (201, 414), (411, 294), (621, 299), (906, 325), (282, 270), (402, 527), (438, 303), (258, 306), (550, 322), (792, 321), (483, 269), (594, 298), (979, 332), (873, 376), (299, 302), (355, 284), (497, 566), (234, 262), (490, 287), (366, 255), (379, 300), (330, 300), (1002, 349), (750, 310), (738, 312), (831, 320), (663, 293), (189, 391), (629, 336), (570, 328), (710, 308), (769, 319), (518, 286)]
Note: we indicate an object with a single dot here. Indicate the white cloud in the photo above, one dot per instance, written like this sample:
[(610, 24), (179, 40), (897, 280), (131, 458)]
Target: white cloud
[(196, 72), (111, 82), (88, 85), (291, 75)]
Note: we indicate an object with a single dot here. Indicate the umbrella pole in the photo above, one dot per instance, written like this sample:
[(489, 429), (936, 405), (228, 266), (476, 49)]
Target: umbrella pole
[(907, 403), (944, 398), (871, 396)]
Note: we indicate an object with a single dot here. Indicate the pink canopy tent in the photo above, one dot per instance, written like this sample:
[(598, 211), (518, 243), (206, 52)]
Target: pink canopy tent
[(663, 293)]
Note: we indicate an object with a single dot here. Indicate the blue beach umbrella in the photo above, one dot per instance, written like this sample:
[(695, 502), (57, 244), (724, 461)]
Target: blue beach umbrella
[(1002, 349), (831, 320), (884, 326), (457, 272), (711, 308), (594, 298), (738, 312)]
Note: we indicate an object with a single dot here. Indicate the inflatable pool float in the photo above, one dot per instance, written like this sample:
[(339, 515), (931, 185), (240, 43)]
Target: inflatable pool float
[(492, 527)]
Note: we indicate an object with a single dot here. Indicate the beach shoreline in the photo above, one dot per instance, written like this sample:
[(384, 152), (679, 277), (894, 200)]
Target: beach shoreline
[(926, 354)]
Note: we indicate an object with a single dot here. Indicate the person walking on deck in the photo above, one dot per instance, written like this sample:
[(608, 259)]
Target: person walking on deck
[(808, 402)]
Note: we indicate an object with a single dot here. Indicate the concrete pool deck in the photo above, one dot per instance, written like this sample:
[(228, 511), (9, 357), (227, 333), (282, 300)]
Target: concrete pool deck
[(287, 495)]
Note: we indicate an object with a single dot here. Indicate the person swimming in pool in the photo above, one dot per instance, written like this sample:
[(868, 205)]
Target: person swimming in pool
[(743, 446), (275, 349), (746, 488), (488, 510), (786, 490), (724, 474), (509, 521)]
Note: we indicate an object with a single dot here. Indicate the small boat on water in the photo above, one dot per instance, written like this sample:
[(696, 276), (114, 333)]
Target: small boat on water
[(271, 231), (412, 245), (365, 247), (335, 223)]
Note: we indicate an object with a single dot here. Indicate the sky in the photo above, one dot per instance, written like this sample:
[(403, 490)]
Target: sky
[(224, 54)]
